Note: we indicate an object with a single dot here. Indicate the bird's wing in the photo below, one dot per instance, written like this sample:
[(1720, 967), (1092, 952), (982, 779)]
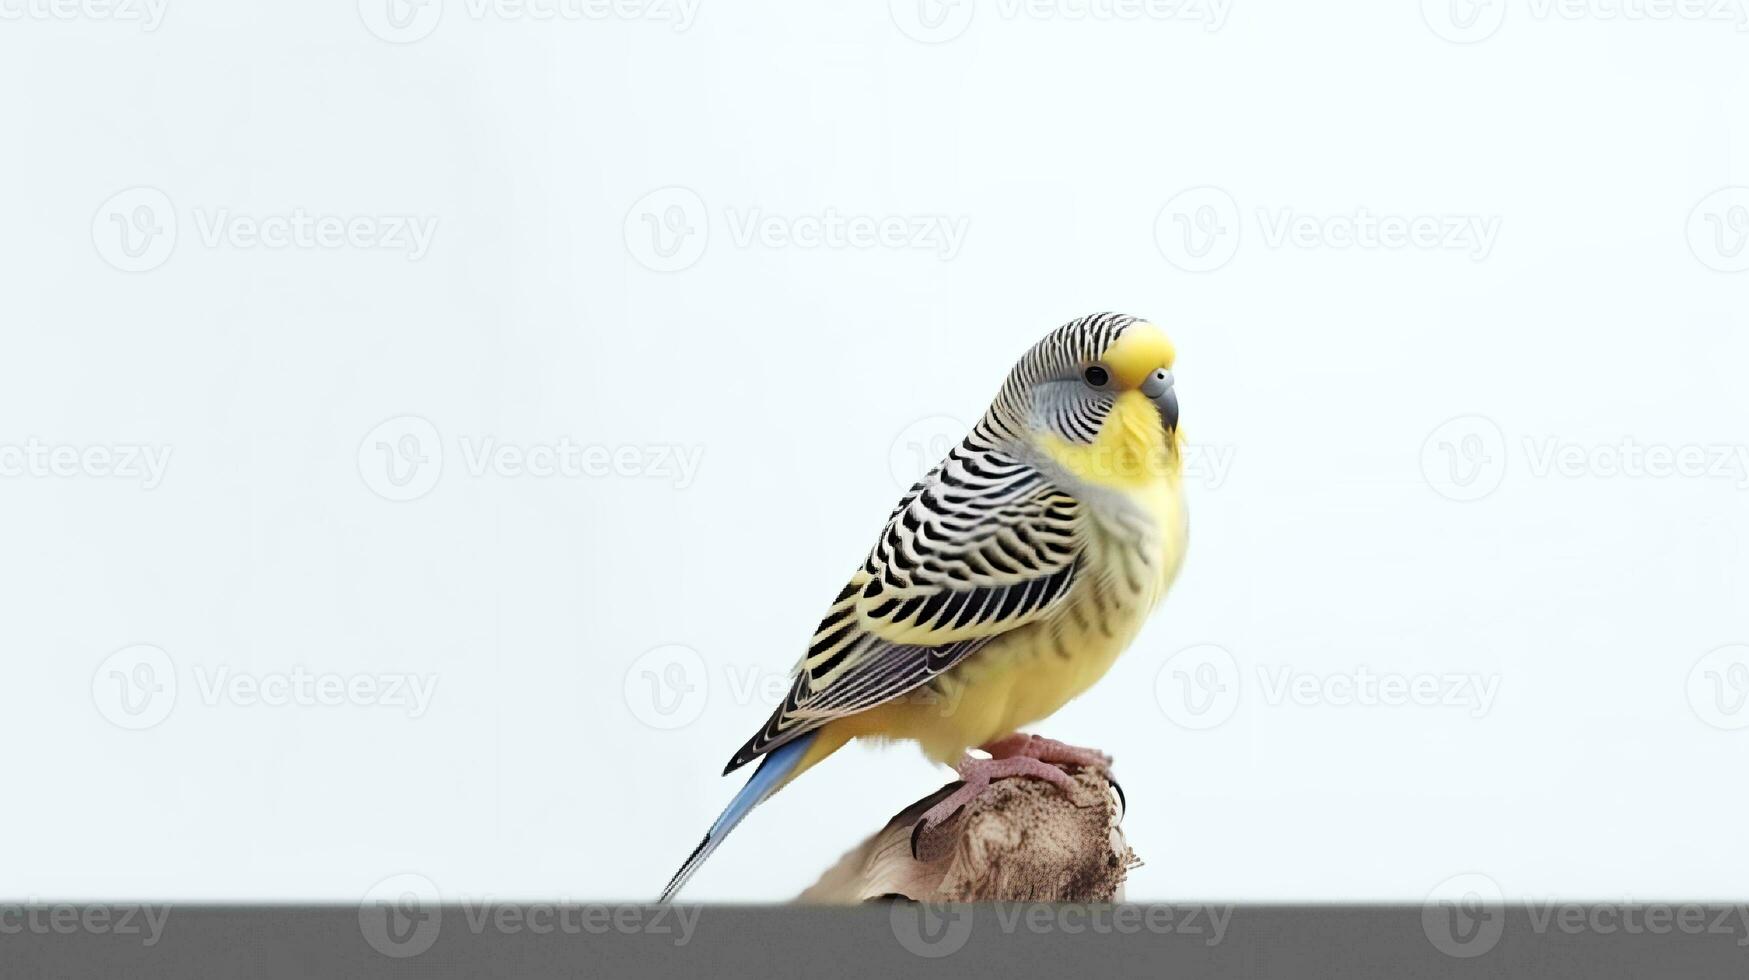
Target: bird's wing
[(982, 545)]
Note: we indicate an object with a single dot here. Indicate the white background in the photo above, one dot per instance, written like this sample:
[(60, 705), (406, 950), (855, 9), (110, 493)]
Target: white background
[(1348, 533)]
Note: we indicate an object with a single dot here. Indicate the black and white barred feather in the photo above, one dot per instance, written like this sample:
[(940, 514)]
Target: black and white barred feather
[(983, 544)]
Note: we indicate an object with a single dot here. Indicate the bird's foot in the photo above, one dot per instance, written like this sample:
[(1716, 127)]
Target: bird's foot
[(976, 775), (1023, 746), (1050, 750)]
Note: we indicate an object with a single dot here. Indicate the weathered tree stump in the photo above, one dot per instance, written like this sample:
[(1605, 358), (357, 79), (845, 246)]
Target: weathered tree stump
[(1023, 840)]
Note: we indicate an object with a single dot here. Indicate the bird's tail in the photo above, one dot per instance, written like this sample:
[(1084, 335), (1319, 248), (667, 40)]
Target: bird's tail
[(772, 772)]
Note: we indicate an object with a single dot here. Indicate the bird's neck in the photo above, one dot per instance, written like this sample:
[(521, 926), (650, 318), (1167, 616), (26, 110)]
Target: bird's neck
[(1133, 450)]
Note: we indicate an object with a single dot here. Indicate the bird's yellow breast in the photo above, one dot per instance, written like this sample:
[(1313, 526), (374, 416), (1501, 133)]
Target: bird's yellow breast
[(1133, 528)]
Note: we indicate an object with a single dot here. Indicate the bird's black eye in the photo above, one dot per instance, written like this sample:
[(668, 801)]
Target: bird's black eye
[(1096, 376)]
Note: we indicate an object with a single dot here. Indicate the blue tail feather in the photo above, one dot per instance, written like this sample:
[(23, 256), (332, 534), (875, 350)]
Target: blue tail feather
[(778, 765)]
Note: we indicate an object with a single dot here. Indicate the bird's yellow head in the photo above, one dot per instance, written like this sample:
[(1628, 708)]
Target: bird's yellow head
[(1097, 397)]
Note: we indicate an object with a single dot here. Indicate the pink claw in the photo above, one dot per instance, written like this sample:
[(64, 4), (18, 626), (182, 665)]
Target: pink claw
[(1021, 745), (979, 773)]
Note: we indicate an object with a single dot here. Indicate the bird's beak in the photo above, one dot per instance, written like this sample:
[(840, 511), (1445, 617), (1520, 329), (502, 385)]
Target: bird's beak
[(1168, 405), (1134, 357)]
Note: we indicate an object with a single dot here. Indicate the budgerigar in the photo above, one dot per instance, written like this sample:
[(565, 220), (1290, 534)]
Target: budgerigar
[(1005, 582)]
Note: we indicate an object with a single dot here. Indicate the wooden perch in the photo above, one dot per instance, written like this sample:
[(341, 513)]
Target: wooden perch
[(1023, 840)]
